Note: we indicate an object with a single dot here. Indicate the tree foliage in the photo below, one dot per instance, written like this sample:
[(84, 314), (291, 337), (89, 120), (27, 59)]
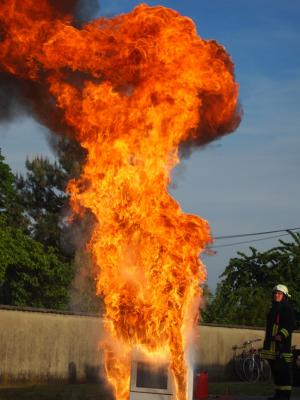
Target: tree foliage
[(30, 276), (10, 202), (38, 266), (32, 273), (44, 199), (243, 295)]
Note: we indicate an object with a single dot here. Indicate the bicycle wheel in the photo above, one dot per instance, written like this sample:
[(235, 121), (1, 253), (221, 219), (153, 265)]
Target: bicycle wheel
[(238, 367), (265, 370), (251, 369)]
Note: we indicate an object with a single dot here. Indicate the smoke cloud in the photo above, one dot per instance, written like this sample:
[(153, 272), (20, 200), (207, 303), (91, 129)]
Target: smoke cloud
[(20, 96)]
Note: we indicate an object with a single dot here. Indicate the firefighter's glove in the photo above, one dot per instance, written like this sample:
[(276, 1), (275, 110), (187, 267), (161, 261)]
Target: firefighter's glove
[(277, 338)]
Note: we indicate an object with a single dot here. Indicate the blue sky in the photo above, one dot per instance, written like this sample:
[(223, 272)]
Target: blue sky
[(247, 181)]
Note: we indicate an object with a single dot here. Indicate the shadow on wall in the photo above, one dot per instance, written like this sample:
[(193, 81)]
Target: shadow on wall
[(91, 373), (217, 372), (72, 372)]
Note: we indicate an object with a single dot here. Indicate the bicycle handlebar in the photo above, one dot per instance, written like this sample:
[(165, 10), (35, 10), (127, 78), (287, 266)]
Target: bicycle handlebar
[(235, 347), (252, 341)]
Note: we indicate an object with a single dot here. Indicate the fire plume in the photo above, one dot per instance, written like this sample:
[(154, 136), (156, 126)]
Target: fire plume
[(132, 88)]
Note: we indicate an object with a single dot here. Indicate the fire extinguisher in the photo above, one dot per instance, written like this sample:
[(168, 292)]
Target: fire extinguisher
[(201, 386)]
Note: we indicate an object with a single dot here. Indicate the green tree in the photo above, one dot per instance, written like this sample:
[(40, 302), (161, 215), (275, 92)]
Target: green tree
[(37, 262), (83, 296), (10, 202), (70, 154), (44, 199), (30, 276), (206, 298), (243, 295)]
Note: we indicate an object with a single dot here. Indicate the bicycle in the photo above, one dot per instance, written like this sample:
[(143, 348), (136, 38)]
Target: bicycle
[(248, 364), (238, 360), (251, 364), (265, 370)]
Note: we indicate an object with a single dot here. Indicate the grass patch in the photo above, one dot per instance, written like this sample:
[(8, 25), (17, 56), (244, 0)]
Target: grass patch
[(246, 389), (241, 388), (54, 392), (96, 391)]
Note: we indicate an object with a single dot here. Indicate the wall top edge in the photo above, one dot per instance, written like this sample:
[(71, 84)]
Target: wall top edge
[(255, 328), (48, 311), (82, 314)]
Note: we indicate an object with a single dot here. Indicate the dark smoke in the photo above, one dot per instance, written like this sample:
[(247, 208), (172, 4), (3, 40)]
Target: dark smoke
[(206, 132), (86, 10), (19, 97), (12, 101), (82, 10)]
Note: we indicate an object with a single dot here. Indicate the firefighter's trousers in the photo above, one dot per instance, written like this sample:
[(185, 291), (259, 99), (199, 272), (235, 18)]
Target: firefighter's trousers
[(282, 376)]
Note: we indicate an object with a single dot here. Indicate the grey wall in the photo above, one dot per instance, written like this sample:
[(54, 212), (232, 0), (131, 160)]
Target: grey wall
[(213, 348), (38, 346)]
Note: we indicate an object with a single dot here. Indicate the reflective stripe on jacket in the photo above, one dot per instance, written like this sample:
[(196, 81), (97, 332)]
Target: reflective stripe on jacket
[(280, 321)]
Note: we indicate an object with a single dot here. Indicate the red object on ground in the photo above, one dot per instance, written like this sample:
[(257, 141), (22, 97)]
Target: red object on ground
[(201, 386)]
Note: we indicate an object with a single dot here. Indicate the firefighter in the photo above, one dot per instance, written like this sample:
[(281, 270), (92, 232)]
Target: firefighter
[(277, 344)]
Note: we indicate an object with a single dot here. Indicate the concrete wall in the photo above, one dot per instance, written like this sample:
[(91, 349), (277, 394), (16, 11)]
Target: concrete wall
[(213, 348), (38, 346)]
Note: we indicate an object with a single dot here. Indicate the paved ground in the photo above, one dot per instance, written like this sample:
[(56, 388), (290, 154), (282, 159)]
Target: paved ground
[(245, 397), (223, 390)]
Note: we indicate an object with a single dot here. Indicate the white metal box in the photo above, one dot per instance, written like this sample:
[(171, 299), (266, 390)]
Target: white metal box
[(150, 382)]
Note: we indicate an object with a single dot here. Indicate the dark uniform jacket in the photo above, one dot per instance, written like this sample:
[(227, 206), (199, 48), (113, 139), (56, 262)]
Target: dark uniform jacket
[(280, 321)]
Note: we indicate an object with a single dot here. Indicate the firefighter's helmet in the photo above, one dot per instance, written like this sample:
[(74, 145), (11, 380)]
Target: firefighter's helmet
[(283, 289)]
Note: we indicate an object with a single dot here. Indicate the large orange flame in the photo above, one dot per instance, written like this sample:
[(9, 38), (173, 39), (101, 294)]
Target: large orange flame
[(133, 88)]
